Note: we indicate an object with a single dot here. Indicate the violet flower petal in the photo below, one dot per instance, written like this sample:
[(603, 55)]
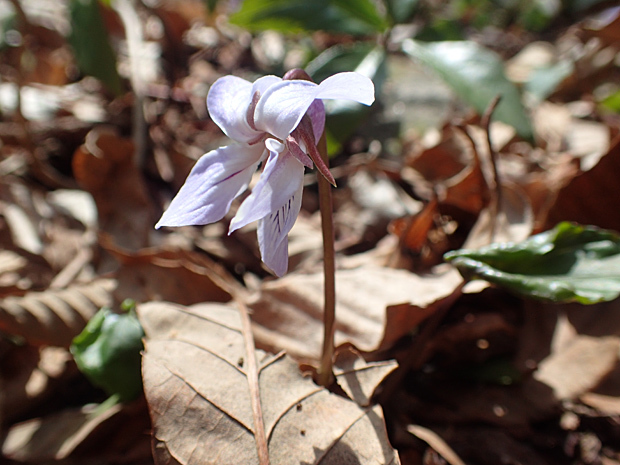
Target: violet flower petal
[(284, 103), (217, 178), (228, 101), (263, 83), (281, 179), (273, 232)]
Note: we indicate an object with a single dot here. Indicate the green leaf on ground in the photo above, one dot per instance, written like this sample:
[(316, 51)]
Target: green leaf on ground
[(108, 353), (92, 49), (477, 76), (344, 116), (356, 17), (569, 263)]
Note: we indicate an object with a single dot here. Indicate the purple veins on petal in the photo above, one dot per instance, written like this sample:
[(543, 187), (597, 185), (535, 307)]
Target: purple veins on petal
[(281, 178), (273, 233), (217, 178)]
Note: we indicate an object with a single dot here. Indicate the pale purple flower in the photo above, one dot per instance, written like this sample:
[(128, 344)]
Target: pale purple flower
[(275, 121)]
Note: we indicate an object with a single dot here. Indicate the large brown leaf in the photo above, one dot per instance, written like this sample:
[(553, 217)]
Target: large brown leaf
[(197, 384), (374, 307)]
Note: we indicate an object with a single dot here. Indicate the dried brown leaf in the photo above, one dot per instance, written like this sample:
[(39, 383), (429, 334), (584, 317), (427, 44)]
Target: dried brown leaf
[(78, 434), (592, 196), (436, 442), (605, 26), (577, 362), (30, 377), (512, 221), (607, 405), (196, 385), (54, 317), (358, 378), (171, 274), (288, 312), (105, 166), (21, 271), (452, 170)]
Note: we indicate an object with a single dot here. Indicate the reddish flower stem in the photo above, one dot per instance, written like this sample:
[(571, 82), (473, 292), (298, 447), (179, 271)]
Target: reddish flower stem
[(325, 375)]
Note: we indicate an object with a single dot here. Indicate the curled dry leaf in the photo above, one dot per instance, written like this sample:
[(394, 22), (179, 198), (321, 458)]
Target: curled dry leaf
[(55, 316), (451, 169), (196, 381)]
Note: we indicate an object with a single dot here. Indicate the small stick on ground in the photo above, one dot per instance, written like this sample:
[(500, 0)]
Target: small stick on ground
[(496, 199)]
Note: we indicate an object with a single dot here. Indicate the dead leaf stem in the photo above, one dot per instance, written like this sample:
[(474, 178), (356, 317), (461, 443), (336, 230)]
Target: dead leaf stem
[(496, 199), (262, 446), (325, 373)]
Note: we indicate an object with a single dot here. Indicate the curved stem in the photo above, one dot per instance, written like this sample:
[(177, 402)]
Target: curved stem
[(325, 372)]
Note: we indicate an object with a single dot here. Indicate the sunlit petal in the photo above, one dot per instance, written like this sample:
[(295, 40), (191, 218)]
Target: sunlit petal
[(284, 103), (273, 233), (263, 83), (282, 106), (347, 86), (281, 179), (217, 178), (228, 101)]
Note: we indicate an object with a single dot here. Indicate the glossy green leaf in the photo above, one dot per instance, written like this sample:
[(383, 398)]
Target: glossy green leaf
[(357, 17), (108, 350), (343, 116), (92, 49), (476, 74), (570, 263)]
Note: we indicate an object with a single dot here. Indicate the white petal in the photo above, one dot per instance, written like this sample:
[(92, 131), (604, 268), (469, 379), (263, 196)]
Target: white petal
[(262, 84), (281, 179), (273, 233), (217, 178), (228, 101), (284, 103), (347, 86)]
